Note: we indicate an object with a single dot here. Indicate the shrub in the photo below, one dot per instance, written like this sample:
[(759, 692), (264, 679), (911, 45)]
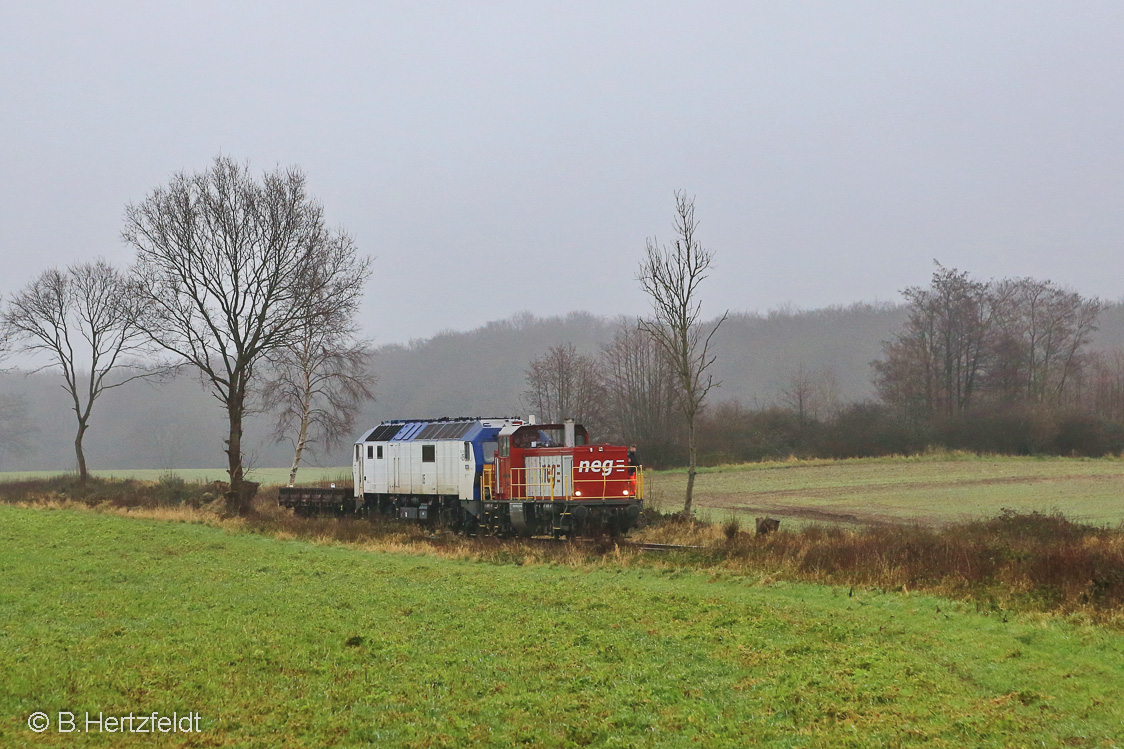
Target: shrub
[(867, 430)]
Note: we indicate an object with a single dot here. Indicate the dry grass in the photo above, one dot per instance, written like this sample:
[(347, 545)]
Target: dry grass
[(1029, 560), (1023, 561)]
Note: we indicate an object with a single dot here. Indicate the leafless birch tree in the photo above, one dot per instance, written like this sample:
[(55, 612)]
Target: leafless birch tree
[(670, 276), (84, 320), (230, 266), (316, 385)]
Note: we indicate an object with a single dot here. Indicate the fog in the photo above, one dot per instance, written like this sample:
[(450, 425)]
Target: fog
[(515, 156)]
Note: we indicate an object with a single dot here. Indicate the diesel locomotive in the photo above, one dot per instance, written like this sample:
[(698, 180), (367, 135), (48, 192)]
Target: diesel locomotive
[(499, 476)]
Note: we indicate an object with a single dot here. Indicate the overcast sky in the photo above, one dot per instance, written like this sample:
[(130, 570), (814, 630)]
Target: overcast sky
[(501, 157)]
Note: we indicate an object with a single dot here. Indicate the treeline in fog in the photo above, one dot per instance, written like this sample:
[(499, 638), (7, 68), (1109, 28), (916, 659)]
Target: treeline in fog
[(792, 383), (1010, 366), (1015, 366), (174, 422)]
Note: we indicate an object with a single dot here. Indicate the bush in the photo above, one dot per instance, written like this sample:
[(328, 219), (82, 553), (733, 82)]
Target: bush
[(730, 433), (1082, 435), (867, 430), (171, 490)]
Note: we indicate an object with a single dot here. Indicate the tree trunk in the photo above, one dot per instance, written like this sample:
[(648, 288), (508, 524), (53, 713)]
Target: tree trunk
[(236, 502), (692, 457), (302, 438), (81, 455)]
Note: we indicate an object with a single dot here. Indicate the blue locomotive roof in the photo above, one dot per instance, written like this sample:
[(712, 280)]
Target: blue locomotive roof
[(410, 430)]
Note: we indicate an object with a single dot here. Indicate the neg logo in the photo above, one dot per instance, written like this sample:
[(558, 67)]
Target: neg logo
[(604, 467)]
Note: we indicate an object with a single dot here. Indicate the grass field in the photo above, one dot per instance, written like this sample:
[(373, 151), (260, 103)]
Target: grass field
[(265, 476), (938, 488), (289, 643), (927, 489)]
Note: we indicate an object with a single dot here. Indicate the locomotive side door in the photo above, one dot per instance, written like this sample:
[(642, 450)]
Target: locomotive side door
[(429, 470), (567, 478), (378, 468), (357, 470), (466, 476), (393, 467)]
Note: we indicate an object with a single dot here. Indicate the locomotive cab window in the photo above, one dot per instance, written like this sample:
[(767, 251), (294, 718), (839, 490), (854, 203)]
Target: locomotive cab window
[(505, 446), (490, 451), (429, 453), (369, 451), (378, 452), (468, 451)]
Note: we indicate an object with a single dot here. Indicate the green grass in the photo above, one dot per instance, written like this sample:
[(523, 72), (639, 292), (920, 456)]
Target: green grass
[(265, 476), (287, 643), (938, 488)]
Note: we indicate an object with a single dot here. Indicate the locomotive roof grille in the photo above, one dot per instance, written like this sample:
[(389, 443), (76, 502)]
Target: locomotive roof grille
[(445, 431), (407, 430), (383, 432)]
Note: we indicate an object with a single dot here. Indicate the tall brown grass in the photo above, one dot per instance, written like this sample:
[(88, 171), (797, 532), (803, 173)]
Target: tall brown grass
[(1027, 560)]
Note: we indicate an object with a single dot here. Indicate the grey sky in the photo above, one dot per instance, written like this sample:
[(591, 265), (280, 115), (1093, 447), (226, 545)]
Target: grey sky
[(506, 157)]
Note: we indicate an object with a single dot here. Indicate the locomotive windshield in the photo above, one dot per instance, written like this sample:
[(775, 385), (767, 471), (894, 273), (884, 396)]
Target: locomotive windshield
[(548, 435)]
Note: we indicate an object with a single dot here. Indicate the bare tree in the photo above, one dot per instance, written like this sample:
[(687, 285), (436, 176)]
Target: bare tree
[(1044, 329), (316, 384), (639, 386), (671, 277), (798, 393), (812, 393), (1105, 387), (967, 342), (231, 266), (563, 384), (83, 320), (934, 366)]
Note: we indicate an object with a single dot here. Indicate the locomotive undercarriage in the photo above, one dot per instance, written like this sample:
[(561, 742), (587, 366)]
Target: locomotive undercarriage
[(561, 518), (510, 518), (505, 519)]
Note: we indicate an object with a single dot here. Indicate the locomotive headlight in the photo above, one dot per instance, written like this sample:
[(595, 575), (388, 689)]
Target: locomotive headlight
[(626, 492), (577, 494)]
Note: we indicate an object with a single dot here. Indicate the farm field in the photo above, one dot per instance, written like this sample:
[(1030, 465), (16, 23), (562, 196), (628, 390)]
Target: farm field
[(265, 476), (288, 643), (929, 489), (926, 489)]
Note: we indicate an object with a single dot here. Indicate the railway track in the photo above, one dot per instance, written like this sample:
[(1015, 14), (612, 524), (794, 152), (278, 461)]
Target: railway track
[(614, 542), (660, 547)]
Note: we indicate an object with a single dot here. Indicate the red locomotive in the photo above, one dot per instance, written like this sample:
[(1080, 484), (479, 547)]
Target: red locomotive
[(548, 479)]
